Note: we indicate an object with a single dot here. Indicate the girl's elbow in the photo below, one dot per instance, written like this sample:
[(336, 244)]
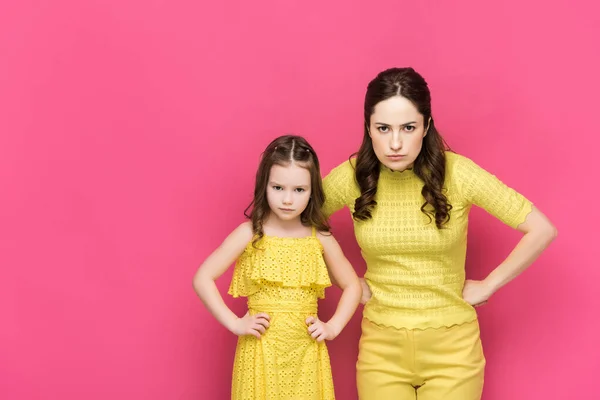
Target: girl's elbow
[(198, 283), (351, 286), (356, 286)]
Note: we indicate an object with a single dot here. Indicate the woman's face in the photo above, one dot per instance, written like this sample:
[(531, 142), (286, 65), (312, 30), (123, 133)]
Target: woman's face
[(397, 130)]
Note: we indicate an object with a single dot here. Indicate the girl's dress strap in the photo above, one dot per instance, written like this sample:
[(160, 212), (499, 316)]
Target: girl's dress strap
[(314, 231)]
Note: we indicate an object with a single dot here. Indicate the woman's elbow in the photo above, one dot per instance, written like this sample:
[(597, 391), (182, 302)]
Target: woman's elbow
[(541, 227), (549, 232)]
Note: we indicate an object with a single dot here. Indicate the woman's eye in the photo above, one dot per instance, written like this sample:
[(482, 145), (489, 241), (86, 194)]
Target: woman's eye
[(383, 129)]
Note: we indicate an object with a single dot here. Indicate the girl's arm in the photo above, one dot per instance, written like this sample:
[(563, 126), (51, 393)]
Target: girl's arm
[(342, 272), (539, 233), (213, 267), (366, 291)]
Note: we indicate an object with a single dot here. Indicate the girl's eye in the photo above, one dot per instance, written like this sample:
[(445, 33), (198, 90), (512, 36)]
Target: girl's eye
[(277, 187), (299, 190)]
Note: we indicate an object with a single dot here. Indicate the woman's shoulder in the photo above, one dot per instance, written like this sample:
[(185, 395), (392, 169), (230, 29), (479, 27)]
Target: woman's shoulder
[(342, 174), (458, 164), (453, 159), (341, 179), (459, 169), (345, 168)]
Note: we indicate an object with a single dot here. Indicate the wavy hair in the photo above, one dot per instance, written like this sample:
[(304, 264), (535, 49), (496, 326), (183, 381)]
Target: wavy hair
[(430, 164)]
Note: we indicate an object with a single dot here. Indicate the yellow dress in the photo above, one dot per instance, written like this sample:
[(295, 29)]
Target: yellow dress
[(283, 277)]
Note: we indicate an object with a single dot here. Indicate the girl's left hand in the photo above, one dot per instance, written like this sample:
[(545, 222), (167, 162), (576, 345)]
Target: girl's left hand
[(320, 330), (476, 293)]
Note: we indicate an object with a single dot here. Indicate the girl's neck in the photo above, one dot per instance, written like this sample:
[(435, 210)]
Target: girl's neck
[(274, 226)]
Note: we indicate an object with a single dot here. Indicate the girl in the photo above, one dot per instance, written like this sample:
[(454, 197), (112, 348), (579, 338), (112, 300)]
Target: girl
[(410, 199), (284, 254)]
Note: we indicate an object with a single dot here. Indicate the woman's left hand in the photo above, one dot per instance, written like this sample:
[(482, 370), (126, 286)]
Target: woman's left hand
[(476, 293)]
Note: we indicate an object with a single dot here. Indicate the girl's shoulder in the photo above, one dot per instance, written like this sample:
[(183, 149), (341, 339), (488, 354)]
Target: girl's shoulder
[(244, 231)]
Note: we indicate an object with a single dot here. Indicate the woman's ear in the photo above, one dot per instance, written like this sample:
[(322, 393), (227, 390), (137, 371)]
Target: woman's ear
[(428, 125)]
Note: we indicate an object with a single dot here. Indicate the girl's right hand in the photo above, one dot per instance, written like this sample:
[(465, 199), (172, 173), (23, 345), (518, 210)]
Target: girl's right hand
[(366, 292), (255, 325)]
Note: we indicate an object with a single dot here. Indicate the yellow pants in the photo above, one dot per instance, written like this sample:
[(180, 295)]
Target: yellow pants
[(445, 363)]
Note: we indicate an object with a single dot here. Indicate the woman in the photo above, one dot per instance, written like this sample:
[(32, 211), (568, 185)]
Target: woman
[(410, 199)]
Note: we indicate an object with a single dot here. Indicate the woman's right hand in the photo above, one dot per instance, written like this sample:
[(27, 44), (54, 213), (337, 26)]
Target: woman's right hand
[(366, 292), (255, 325)]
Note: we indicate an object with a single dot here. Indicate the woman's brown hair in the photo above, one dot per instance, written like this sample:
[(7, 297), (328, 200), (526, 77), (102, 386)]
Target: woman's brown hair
[(430, 164)]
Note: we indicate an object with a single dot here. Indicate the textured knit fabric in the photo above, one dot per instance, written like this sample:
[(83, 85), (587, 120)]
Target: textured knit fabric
[(283, 277), (416, 271)]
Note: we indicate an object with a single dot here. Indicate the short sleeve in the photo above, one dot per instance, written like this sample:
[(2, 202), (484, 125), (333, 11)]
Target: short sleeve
[(338, 186), (485, 190)]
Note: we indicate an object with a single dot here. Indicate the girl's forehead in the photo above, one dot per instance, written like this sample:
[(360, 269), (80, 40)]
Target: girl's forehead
[(292, 173)]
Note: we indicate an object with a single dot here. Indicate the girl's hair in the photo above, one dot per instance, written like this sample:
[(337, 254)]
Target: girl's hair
[(284, 151), (430, 164)]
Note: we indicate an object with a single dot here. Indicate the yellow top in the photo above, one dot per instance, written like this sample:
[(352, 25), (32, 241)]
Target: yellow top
[(281, 274), (415, 271)]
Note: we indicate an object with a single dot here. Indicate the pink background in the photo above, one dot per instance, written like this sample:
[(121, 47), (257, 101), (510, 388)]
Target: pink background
[(129, 136)]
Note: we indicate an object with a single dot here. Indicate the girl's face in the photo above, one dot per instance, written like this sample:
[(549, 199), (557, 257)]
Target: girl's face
[(288, 191), (397, 130)]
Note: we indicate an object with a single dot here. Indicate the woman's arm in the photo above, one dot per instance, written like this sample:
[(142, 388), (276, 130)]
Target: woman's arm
[(538, 234)]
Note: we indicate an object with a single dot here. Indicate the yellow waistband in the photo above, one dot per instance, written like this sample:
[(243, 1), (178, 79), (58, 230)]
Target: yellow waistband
[(282, 306)]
